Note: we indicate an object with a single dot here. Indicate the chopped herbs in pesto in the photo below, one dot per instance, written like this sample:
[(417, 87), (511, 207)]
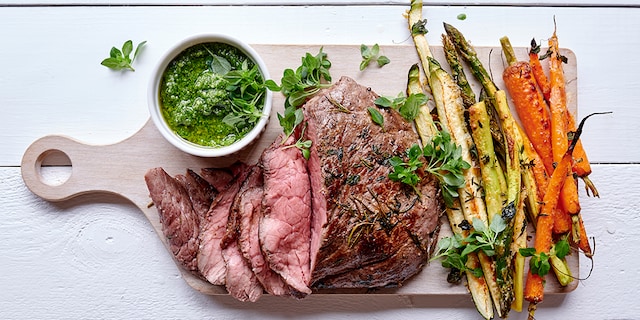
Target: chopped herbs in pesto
[(212, 94)]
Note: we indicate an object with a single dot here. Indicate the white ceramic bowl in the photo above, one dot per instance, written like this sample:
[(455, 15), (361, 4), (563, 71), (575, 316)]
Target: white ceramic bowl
[(188, 146)]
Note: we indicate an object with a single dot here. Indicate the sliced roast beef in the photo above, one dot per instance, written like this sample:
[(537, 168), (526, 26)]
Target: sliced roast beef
[(363, 221), (285, 227), (221, 178), (201, 192), (248, 208), (180, 222), (241, 281), (214, 224)]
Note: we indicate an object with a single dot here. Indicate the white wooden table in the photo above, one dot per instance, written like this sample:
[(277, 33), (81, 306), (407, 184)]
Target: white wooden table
[(98, 257)]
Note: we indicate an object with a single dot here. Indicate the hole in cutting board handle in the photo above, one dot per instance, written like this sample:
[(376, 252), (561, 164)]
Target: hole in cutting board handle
[(54, 167)]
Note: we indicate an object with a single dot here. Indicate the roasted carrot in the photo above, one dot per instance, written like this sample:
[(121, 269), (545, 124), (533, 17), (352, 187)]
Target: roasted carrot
[(580, 236), (581, 164), (538, 72), (534, 115), (562, 220), (529, 104), (534, 288), (559, 126)]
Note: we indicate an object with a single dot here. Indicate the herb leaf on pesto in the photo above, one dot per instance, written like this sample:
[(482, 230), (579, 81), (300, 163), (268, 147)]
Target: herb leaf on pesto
[(220, 65)]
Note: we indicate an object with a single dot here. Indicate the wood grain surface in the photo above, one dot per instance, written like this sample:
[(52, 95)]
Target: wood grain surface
[(118, 169)]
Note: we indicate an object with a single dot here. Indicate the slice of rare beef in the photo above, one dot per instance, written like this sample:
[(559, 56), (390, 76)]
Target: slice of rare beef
[(200, 191), (365, 227), (248, 210), (213, 226), (180, 222), (241, 281), (221, 178), (285, 227)]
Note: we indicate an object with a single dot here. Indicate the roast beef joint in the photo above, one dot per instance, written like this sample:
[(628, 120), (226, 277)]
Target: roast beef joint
[(289, 226)]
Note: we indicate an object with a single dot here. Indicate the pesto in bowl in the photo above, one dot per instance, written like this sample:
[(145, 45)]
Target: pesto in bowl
[(208, 96)]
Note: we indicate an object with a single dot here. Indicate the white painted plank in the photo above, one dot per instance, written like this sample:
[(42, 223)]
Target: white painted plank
[(52, 82), (556, 3), (98, 257)]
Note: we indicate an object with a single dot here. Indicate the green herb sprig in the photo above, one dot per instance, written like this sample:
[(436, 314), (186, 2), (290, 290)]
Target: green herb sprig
[(405, 172), (444, 160), (539, 262), (300, 84), (446, 163), (303, 145), (372, 54), (420, 27), (120, 59), (376, 117), (311, 76), (454, 251), (407, 106), (245, 87)]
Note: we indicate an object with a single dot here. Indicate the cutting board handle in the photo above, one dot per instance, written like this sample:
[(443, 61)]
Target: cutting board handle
[(89, 168)]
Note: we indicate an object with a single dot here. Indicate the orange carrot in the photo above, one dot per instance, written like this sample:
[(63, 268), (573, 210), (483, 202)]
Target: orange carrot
[(581, 164), (534, 289), (538, 72), (559, 125), (581, 233), (561, 220), (529, 104), (533, 112)]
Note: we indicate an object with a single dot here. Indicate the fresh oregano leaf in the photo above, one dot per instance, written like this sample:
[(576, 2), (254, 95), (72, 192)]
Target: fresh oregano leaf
[(220, 65), (120, 59), (376, 116)]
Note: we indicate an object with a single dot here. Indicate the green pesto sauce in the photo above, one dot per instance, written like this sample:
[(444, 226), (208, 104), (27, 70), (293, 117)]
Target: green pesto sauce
[(194, 99)]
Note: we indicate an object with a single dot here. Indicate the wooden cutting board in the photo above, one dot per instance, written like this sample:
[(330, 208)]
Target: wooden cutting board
[(119, 168)]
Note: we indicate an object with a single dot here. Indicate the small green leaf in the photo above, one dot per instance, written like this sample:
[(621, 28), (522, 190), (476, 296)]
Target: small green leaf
[(365, 51), (127, 48), (220, 65), (469, 248), (113, 63), (306, 153), (272, 85), (477, 272), (384, 102), (411, 106), (375, 50), (498, 224), (462, 16), (138, 49), (478, 225), (527, 252), (419, 27), (115, 53), (376, 116), (364, 63), (369, 54), (383, 60), (562, 248), (545, 266), (118, 59)]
